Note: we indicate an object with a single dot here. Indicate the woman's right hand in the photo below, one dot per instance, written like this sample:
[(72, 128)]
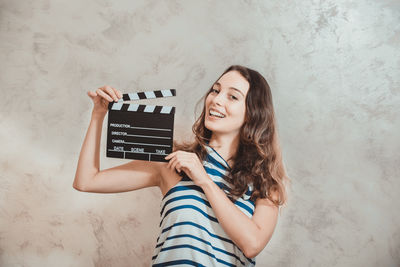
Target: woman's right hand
[(102, 97)]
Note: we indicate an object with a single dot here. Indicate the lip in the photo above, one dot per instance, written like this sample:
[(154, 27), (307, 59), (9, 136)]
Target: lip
[(216, 110), (209, 117)]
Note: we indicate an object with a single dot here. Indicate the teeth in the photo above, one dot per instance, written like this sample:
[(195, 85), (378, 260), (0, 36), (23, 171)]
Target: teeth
[(214, 113)]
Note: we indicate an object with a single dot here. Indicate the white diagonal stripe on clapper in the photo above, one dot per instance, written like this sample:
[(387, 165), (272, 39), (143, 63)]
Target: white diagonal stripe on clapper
[(166, 110), (133, 107), (166, 93), (150, 94), (116, 106), (149, 108), (133, 96)]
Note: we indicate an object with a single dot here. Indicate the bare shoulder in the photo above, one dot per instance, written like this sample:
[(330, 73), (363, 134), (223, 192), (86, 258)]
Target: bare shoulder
[(168, 178), (266, 202), (265, 211)]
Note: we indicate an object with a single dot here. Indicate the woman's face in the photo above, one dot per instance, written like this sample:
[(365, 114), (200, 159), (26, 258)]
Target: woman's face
[(226, 104)]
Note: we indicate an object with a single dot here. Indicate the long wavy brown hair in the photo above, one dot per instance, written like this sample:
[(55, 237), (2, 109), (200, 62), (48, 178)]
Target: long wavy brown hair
[(258, 159)]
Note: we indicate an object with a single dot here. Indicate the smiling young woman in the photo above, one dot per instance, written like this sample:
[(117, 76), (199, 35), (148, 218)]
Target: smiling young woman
[(222, 192)]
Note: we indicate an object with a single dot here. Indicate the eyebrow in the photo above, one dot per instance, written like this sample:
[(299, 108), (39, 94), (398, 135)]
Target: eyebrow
[(217, 83)]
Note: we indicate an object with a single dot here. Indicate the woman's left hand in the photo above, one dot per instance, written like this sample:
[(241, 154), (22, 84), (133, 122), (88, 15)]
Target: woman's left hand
[(190, 164)]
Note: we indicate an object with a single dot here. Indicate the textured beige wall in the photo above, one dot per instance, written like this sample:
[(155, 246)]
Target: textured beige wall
[(334, 69)]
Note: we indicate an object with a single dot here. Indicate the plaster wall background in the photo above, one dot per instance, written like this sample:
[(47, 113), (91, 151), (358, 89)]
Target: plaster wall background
[(334, 70)]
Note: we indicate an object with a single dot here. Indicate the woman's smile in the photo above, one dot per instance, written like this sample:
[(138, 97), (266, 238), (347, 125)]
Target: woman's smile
[(226, 104), (215, 114)]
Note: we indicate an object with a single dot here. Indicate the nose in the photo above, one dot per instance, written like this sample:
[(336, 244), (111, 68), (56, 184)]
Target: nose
[(218, 99)]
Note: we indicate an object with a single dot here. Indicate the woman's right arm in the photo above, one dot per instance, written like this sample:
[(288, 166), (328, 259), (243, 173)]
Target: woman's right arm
[(127, 177)]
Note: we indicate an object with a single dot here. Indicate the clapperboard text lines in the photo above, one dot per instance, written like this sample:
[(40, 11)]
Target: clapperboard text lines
[(138, 131)]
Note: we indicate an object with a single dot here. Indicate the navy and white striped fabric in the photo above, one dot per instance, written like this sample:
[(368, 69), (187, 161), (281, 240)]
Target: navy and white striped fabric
[(190, 234)]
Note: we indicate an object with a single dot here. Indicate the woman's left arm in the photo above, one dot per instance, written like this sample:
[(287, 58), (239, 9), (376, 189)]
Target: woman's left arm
[(251, 235)]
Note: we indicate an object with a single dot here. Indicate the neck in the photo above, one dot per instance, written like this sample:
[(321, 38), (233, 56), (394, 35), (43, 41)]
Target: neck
[(225, 145)]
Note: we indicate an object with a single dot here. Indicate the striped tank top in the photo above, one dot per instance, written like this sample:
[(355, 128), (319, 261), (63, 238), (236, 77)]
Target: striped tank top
[(190, 234)]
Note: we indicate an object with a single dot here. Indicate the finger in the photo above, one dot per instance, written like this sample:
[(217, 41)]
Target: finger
[(170, 156), (117, 92), (185, 165), (169, 165), (111, 92), (178, 167), (174, 164), (171, 162), (104, 95), (91, 94)]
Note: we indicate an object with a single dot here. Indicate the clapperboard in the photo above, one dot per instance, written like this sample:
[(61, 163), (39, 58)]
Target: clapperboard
[(142, 132)]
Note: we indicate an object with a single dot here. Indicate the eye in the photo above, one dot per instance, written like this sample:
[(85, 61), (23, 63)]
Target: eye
[(233, 97), (213, 90)]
